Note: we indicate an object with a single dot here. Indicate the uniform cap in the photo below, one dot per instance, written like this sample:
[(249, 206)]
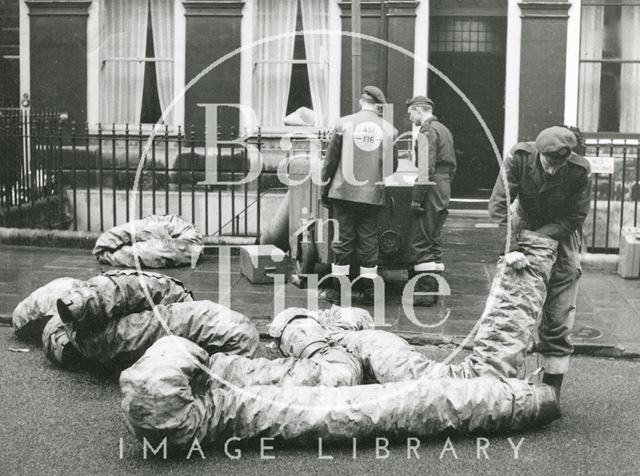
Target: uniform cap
[(419, 101), (374, 94), (554, 139)]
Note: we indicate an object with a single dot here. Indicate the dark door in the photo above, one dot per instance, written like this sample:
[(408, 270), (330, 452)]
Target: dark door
[(471, 53)]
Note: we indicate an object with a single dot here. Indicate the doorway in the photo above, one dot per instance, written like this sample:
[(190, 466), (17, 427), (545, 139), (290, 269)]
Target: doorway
[(471, 52)]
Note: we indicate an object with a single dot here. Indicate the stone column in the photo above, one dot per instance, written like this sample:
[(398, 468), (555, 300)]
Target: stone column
[(542, 65), (58, 30), (386, 68), (212, 30)]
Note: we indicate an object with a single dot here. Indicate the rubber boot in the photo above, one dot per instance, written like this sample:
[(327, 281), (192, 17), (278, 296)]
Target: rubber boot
[(424, 284), (367, 285), (555, 381), (332, 294)]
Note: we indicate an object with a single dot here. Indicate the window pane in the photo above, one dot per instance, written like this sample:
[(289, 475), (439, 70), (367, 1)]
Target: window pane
[(151, 111), (610, 32), (468, 34), (132, 90), (610, 98), (611, 46), (299, 91)]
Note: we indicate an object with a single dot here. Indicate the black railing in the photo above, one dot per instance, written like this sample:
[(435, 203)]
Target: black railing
[(98, 181), (616, 195), (29, 156)]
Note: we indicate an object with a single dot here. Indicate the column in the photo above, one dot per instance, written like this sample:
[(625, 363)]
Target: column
[(58, 55), (213, 29), (401, 21), (382, 66), (542, 65)]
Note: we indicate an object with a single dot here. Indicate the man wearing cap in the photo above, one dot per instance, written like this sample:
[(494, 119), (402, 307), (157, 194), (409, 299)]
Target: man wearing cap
[(359, 156), (552, 184), (436, 162)]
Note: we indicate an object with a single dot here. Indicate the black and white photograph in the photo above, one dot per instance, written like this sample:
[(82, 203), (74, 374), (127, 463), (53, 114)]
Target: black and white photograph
[(364, 237)]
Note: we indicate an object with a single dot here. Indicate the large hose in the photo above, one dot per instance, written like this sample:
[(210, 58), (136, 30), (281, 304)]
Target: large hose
[(415, 398), (168, 394), (505, 328), (155, 241), (212, 326), (31, 314), (115, 317)]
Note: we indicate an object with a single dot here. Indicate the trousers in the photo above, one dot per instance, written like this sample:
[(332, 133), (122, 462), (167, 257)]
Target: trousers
[(357, 233), (425, 243), (559, 310)]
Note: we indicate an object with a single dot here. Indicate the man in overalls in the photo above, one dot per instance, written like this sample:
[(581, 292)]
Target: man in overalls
[(552, 184)]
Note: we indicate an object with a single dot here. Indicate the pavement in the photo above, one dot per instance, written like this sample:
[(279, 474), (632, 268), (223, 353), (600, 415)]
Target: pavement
[(607, 318)]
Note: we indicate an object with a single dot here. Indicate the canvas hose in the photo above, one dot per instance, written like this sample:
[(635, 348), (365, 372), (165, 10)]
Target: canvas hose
[(169, 393)]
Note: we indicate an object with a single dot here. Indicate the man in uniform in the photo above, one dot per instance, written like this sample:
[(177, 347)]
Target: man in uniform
[(360, 154), (436, 162), (552, 184)]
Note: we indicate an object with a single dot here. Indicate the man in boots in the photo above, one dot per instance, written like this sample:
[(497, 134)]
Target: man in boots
[(436, 163), (353, 172), (552, 184)]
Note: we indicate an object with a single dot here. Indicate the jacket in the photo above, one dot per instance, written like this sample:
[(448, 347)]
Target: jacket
[(354, 166), (437, 139), (554, 205)]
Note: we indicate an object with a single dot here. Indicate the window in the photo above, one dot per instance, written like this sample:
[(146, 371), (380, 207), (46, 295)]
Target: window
[(299, 93), (290, 71), (467, 35), (609, 81), (137, 55)]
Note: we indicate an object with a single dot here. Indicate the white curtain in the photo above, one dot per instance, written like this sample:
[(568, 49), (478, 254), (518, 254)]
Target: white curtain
[(163, 42), (591, 43), (124, 35), (315, 16), (272, 80), (630, 72)]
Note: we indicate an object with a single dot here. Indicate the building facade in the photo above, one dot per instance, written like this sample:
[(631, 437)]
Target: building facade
[(499, 70)]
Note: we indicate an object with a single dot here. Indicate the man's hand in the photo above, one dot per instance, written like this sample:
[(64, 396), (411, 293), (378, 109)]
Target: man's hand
[(416, 207), (516, 260)]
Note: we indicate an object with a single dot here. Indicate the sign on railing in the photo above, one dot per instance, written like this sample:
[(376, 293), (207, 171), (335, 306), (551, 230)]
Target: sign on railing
[(601, 164)]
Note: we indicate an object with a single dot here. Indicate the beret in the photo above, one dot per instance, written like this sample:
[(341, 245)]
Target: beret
[(419, 101), (374, 94), (555, 138)]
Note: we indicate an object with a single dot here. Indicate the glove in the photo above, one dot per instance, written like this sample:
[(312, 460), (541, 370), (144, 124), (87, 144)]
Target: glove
[(516, 260), (416, 207)]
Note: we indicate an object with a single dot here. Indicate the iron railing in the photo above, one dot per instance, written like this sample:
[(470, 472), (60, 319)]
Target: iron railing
[(93, 178), (96, 177), (616, 195), (28, 157)]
